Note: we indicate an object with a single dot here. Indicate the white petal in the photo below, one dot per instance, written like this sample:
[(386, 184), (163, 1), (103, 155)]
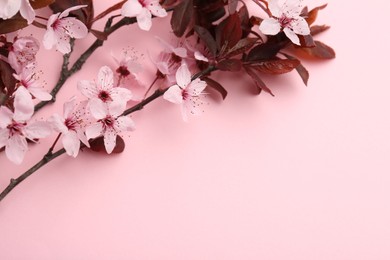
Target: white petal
[(5, 116), (156, 9), (71, 143), (73, 8), (274, 7), (292, 8), (270, 26), (27, 11), (9, 8), (174, 94), (98, 109), (181, 52), (196, 87), (94, 130), (88, 88), (121, 94), (57, 123), (63, 44), (200, 56), (39, 93), (124, 123), (4, 135), (69, 107), (75, 28), (82, 137), (23, 103), (110, 140), (131, 8), (144, 19), (292, 36), (116, 108), (16, 148), (37, 130), (300, 26), (183, 76), (49, 39), (106, 78)]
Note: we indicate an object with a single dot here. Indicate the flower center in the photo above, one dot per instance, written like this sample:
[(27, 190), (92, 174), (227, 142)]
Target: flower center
[(104, 96), (15, 128), (123, 71), (285, 21), (185, 94), (56, 24), (142, 2), (71, 123), (175, 58), (109, 121)]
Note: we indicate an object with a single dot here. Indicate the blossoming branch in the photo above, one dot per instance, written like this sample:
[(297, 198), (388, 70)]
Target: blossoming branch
[(214, 36)]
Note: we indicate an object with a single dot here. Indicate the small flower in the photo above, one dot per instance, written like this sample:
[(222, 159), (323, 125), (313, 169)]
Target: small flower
[(15, 128), (104, 89), (11, 7), (28, 81), (186, 92), (22, 52), (61, 28), (143, 10), (109, 122), (71, 127), (287, 18)]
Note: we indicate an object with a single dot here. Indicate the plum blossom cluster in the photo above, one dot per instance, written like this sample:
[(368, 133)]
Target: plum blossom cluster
[(204, 38)]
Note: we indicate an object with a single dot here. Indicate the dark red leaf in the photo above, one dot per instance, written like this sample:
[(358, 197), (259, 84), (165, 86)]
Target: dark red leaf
[(7, 80), (242, 46), (231, 32), (230, 65), (85, 14), (316, 29), (216, 86), (98, 34), (36, 4), (266, 51), (97, 145), (259, 83), (207, 38), (13, 24), (306, 41), (312, 15), (181, 17), (277, 66), (320, 51), (246, 25), (302, 71)]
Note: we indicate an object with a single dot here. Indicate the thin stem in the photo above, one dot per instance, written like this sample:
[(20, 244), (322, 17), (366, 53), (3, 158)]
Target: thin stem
[(151, 85)]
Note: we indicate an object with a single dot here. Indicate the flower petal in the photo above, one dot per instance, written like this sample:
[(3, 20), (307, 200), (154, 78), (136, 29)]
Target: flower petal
[(121, 94), (5, 116), (71, 143), (16, 148), (94, 130), (292, 36), (40, 93), (88, 88), (131, 8), (74, 27), (49, 39), (156, 9), (69, 107), (9, 8), (300, 26), (274, 7), (116, 108), (124, 123), (292, 8), (98, 108), (196, 87), (174, 94), (23, 103), (270, 26), (27, 11), (82, 137), (73, 8), (105, 78), (57, 123), (37, 130), (110, 140), (183, 76), (144, 19)]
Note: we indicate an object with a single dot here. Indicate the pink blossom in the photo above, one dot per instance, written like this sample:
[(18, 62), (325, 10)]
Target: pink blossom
[(104, 89), (22, 52), (71, 127), (109, 122), (8, 8), (27, 80), (186, 92), (143, 10), (126, 75), (286, 17), (61, 28), (15, 128)]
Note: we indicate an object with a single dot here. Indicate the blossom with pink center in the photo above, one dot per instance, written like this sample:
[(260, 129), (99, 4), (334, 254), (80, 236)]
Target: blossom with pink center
[(8, 8), (71, 126), (104, 89), (126, 75), (15, 128), (109, 122), (186, 92), (27, 79), (22, 52), (286, 17), (143, 11), (61, 28)]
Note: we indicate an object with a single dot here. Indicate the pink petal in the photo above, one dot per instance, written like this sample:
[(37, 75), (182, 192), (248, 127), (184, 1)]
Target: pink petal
[(98, 109), (40, 93), (9, 8), (200, 56), (116, 108), (184, 112), (37, 130), (274, 7), (300, 26), (105, 78), (23, 103), (181, 52), (69, 107), (57, 123), (292, 8), (88, 88), (63, 44), (110, 140), (73, 8), (156, 9), (124, 123), (131, 8), (94, 130), (75, 28), (270, 26), (292, 36), (49, 39), (121, 94), (183, 76), (144, 19), (5, 116), (82, 137), (16, 148), (174, 94), (196, 87), (27, 11), (71, 143), (4, 135)]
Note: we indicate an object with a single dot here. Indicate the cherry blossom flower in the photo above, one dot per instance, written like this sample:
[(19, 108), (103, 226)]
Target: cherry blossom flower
[(71, 127), (286, 17), (186, 92), (126, 74), (9, 8), (28, 81), (22, 52), (143, 11), (61, 28), (104, 89), (15, 128), (109, 122)]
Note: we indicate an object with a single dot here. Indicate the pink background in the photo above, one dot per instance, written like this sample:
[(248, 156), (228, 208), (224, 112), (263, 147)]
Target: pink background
[(303, 175)]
